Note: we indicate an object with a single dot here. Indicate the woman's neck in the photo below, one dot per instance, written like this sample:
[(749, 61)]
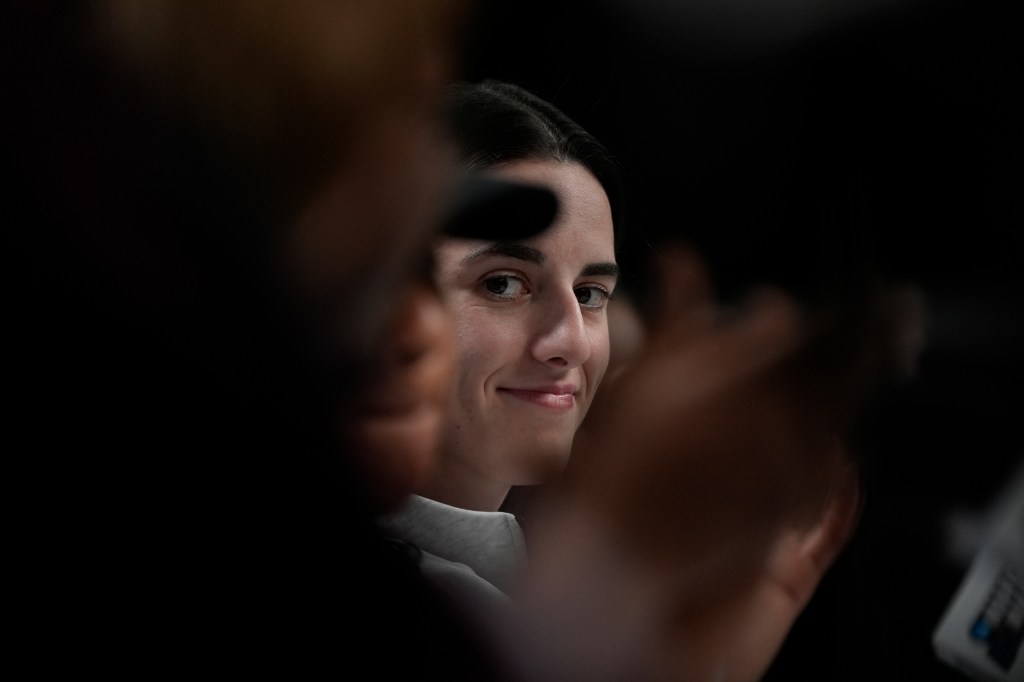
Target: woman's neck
[(459, 487)]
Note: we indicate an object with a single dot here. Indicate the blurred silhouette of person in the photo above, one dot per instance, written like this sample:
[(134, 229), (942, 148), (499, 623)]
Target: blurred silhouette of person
[(217, 207), (893, 124)]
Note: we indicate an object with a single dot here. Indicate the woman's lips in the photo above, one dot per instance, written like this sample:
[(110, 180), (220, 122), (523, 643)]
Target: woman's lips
[(555, 399)]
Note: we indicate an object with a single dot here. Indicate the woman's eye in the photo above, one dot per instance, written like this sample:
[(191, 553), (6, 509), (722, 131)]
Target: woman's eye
[(505, 286), (592, 297)]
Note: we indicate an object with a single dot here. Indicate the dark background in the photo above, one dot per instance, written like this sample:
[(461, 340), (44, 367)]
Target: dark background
[(803, 153)]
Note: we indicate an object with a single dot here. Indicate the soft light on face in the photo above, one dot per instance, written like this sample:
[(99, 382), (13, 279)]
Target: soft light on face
[(531, 333)]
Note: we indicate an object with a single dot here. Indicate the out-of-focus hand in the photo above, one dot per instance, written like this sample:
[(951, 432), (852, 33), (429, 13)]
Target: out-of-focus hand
[(719, 433), (736, 637), (714, 468)]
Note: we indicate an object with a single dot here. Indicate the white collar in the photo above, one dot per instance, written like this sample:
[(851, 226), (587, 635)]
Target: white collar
[(491, 543)]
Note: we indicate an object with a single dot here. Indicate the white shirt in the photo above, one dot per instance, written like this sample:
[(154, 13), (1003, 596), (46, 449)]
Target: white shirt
[(471, 555)]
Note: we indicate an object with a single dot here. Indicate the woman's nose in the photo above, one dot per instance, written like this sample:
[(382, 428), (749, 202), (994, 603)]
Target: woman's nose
[(561, 337)]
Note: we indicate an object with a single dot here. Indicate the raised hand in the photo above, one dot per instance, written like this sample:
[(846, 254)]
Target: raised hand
[(713, 481)]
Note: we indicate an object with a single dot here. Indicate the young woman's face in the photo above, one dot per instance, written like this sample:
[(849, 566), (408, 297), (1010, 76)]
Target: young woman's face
[(531, 325)]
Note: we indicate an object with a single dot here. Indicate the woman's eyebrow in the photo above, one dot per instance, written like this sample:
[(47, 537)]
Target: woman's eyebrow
[(601, 270), (536, 256), (509, 249)]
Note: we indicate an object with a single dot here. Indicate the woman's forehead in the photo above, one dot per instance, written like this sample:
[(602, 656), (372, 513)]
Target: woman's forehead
[(581, 197), (581, 234), (563, 177)]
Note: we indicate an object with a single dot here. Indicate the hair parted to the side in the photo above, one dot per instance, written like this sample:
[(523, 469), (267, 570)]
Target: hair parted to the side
[(494, 122)]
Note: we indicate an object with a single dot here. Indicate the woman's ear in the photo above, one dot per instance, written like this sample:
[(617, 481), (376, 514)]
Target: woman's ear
[(396, 427)]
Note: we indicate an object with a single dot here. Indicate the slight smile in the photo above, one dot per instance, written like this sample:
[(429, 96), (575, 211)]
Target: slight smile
[(551, 398)]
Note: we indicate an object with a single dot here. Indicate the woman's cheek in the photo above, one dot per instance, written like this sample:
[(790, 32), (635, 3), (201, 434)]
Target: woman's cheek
[(486, 337)]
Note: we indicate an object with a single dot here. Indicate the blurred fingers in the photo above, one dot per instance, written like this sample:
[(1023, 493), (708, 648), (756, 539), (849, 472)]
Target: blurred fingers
[(686, 304)]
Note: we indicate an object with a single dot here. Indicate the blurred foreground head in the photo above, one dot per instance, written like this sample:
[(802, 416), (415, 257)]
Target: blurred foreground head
[(328, 108), (214, 203), (202, 185)]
